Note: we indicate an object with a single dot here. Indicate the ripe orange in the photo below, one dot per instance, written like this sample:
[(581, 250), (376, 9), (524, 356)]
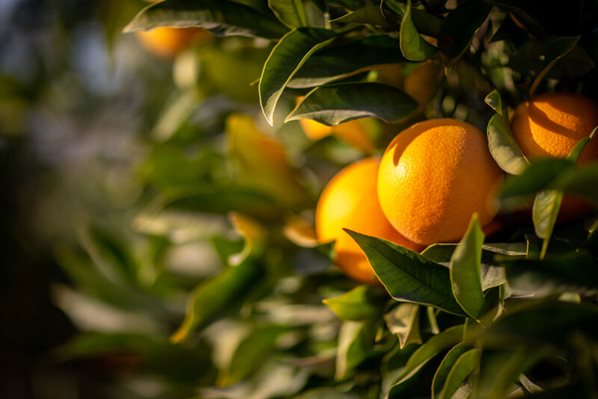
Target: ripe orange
[(353, 132), (433, 176), (167, 42), (349, 200), (551, 125), (420, 81)]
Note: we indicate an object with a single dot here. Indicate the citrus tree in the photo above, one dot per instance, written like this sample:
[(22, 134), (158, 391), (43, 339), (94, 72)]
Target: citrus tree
[(358, 199)]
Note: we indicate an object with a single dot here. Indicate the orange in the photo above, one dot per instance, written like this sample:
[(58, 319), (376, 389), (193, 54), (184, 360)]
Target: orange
[(421, 84), (167, 42), (349, 201), (420, 81), (353, 133), (433, 176), (551, 125)]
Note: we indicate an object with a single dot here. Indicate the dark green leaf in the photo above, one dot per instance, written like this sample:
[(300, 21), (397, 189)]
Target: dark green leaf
[(219, 17), (340, 103), (286, 58), (520, 324), (355, 342), (407, 275), (554, 51), (370, 15), (358, 304), (562, 273), (446, 365), (153, 355), (251, 353), (325, 393), (545, 211), (348, 4), (460, 26), (403, 321), (547, 203), (500, 370), (502, 145), (339, 61), (209, 300), (465, 270), (582, 181), (297, 13), (491, 274), (463, 367), (494, 101), (219, 200), (568, 391), (412, 45), (524, 14), (104, 282), (536, 177), (425, 22), (427, 352)]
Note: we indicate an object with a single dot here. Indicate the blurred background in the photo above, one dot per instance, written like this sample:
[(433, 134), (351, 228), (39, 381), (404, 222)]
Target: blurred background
[(96, 132), (77, 98)]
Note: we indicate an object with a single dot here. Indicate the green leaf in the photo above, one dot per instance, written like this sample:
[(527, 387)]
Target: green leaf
[(219, 200), (446, 365), (251, 353), (465, 270), (503, 147), (338, 103), (403, 321), (567, 391), (555, 50), (547, 203), (544, 214), (492, 275), (582, 181), (463, 367), (358, 304), (338, 61), (217, 16), (558, 273), (535, 178), (412, 45), (427, 352), (408, 276), (175, 114), (153, 355), (500, 370), (208, 300), (520, 324), (494, 101), (291, 52), (355, 342), (325, 393), (425, 22), (297, 13), (371, 14), (460, 26)]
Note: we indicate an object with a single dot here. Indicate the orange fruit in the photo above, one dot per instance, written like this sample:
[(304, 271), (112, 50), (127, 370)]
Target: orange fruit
[(419, 81), (551, 124), (354, 133), (433, 176), (167, 42), (349, 201), (421, 84)]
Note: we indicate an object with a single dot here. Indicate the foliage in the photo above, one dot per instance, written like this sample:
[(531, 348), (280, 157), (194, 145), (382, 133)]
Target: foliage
[(228, 182)]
